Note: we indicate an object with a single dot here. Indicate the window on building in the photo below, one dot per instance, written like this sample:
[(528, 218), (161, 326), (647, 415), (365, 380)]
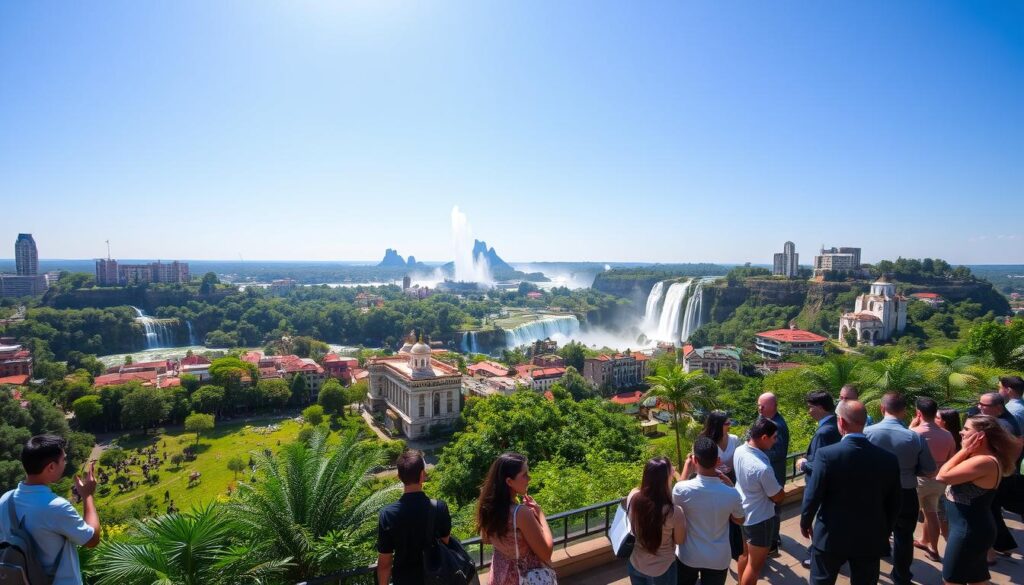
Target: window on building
[(437, 404), (423, 405), (450, 404)]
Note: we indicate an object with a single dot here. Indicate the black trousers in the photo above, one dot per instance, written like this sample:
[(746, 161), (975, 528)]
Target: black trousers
[(903, 538), (686, 575), (1005, 542), (825, 568)]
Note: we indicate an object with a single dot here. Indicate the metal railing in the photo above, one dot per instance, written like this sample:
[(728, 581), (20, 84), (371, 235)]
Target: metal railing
[(566, 528)]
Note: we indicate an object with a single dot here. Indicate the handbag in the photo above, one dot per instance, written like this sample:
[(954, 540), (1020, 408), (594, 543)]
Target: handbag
[(538, 576), (445, 564), (621, 532)]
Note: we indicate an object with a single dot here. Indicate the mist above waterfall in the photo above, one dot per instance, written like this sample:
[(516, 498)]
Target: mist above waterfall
[(468, 266)]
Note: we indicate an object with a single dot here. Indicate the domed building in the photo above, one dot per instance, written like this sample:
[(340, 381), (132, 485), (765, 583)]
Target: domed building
[(414, 391), (876, 316)]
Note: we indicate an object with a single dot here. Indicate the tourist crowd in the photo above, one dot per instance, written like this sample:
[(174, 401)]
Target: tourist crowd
[(867, 484)]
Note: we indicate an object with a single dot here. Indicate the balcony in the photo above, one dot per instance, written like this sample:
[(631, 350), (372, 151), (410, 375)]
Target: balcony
[(583, 554)]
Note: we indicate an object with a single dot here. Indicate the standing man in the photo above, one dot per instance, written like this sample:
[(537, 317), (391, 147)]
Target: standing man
[(850, 392), (768, 407), (401, 537), (1011, 388), (54, 524), (999, 405), (854, 493), (760, 493), (915, 460), (819, 407), (709, 503), (930, 490)]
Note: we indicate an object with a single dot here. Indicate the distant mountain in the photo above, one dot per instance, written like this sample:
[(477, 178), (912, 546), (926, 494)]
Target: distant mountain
[(392, 260), (493, 260)]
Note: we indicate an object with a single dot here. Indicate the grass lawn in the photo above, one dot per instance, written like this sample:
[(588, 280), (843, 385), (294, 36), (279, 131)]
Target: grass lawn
[(215, 449)]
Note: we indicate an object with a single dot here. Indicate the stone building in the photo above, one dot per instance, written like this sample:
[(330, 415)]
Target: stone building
[(711, 360), (617, 371), (414, 391), (876, 316)]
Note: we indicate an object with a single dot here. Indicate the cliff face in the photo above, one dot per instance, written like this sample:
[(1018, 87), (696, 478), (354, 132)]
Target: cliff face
[(635, 290)]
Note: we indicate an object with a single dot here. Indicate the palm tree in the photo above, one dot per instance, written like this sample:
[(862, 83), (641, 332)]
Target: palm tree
[(310, 497), (685, 392), (188, 548), (902, 374), (956, 380), (835, 372)]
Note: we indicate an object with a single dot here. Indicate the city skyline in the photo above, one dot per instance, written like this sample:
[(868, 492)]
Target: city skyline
[(571, 132)]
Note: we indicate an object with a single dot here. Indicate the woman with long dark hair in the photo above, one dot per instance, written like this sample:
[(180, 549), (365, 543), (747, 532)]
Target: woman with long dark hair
[(973, 476), (658, 524), (716, 427), (511, 521), (949, 419)]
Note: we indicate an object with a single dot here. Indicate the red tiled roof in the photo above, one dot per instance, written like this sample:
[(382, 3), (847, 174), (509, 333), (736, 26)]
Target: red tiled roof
[(925, 295), (253, 357), (359, 374), (687, 349), (111, 379), (549, 395), (790, 335), (539, 373), (534, 295), (627, 397), (492, 368), (194, 360), (17, 380)]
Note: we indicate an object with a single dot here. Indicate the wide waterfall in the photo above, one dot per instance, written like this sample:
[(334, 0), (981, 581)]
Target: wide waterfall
[(673, 315), (158, 334), (469, 344), (550, 326)]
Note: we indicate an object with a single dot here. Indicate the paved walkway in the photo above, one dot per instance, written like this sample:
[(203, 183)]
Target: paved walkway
[(787, 570)]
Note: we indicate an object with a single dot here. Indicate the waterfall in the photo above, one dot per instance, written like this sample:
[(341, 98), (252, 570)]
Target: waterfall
[(191, 334), (469, 342), (549, 326), (157, 332), (653, 306), (679, 314)]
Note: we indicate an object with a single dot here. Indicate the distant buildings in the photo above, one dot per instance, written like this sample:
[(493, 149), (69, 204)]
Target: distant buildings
[(287, 367), (487, 369), (788, 262), (340, 367), (282, 286), (837, 259), (110, 273), (26, 281), (539, 378), (414, 392), (711, 360), (617, 371), (930, 298), (15, 365), (876, 316), (775, 344)]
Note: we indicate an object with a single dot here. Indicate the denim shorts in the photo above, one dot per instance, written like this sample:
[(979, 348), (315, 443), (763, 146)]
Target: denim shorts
[(761, 534), (666, 578)]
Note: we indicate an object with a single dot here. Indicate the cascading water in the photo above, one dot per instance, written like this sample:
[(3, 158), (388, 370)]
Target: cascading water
[(157, 332), (665, 316), (469, 342), (555, 325), (191, 334)]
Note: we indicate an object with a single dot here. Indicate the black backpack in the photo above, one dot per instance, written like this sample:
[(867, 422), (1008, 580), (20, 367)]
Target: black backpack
[(444, 565), (19, 559)]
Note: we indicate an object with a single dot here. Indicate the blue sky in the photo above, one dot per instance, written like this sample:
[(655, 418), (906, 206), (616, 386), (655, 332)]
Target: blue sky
[(650, 131)]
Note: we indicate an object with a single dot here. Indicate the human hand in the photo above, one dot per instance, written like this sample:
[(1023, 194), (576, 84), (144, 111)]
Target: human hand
[(531, 504), (806, 531), (87, 486), (972, 443), (724, 478), (800, 463)]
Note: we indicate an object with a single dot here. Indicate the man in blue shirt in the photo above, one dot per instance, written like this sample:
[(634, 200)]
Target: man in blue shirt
[(55, 525), (915, 460), (1011, 388)]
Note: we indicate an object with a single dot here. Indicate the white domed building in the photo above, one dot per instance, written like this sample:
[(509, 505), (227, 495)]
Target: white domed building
[(876, 316), (414, 391)]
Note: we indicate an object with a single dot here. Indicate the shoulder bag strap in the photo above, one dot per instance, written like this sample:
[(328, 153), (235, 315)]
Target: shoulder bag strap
[(515, 535), (431, 515)]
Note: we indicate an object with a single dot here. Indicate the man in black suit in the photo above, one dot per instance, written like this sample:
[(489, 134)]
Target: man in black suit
[(819, 407), (855, 494)]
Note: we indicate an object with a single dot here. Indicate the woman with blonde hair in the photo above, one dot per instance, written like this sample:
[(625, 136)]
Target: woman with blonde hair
[(988, 453)]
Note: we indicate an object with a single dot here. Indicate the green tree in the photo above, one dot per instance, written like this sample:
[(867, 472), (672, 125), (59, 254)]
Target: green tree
[(309, 495), (196, 548), (314, 415), (199, 423), (209, 283), (956, 380), (208, 399), (190, 382), (144, 408), (574, 353), (332, 397), (835, 372), (576, 384), (274, 392), (899, 373), (685, 392), (237, 465), (357, 392), (300, 390), (88, 411), (113, 457)]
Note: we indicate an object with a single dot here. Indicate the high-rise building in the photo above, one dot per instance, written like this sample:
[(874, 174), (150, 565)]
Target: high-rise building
[(836, 259), (26, 256), (110, 273), (106, 272), (788, 262)]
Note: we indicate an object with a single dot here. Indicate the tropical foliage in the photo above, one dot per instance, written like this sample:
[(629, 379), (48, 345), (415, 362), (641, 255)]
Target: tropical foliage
[(685, 393)]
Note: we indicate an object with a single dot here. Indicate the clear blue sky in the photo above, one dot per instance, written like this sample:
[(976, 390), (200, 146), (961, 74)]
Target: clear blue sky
[(625, 131)]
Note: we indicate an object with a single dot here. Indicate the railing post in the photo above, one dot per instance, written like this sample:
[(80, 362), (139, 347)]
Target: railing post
[(586, 522)]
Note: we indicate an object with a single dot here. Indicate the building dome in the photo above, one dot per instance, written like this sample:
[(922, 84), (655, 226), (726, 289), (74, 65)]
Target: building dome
[(420, 349)]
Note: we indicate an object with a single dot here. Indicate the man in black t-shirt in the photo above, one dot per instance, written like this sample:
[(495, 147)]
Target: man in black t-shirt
[(402, 526)]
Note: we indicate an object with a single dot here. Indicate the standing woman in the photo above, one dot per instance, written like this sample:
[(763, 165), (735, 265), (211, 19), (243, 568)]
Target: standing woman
[(949, 419), (988, 452), (716, 428), (518, 531), (658, 524)]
